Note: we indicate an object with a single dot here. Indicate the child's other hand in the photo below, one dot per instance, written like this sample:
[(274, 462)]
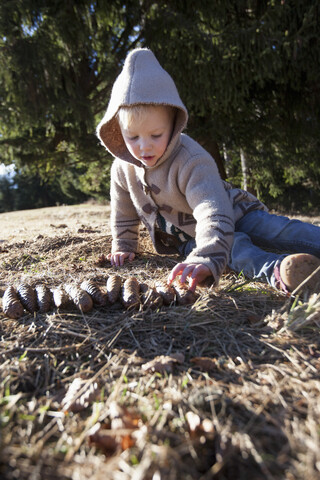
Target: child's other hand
[(196, 271), (117, 258)]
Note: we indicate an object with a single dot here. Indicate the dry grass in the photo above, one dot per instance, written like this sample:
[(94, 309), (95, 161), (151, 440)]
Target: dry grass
[(241, 403)]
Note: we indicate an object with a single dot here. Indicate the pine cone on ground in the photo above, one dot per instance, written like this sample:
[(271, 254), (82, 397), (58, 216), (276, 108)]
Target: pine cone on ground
[(80, 298), (130, 293), (11, 305), (150, 297), (61, 299), (99, 297), (166, 291), (44, 298), (27, 297), (184, 296), (113, 288)]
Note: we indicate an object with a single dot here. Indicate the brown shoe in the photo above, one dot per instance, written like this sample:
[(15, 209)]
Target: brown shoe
[(296, 268)]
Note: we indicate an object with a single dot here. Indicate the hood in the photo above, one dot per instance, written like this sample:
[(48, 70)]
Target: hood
[(141, 81)]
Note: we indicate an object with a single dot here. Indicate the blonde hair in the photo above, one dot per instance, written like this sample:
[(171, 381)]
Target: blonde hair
[(127, 115)]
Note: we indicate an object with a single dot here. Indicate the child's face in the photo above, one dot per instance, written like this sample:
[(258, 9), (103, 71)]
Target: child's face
[(148, 139)]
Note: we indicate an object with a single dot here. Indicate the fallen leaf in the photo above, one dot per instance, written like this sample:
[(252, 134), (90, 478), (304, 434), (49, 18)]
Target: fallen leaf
[(253, 318), (123, 418), (104, 442), (61, 225), (87, 230), (205, 363), (127, 442), (119, 432), (163, 363)]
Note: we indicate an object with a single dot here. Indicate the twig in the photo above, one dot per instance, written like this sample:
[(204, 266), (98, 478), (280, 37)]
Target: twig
[(306, 280), (42, 349)]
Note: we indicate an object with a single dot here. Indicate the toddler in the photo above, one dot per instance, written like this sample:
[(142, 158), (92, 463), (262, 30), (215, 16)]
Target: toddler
[(166, 180)]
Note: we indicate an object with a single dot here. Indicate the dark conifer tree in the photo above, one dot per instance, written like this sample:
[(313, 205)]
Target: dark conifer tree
[(247, 70)]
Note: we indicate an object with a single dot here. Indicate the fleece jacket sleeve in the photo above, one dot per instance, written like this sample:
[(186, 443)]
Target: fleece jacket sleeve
[(124, 219), (205, 193)]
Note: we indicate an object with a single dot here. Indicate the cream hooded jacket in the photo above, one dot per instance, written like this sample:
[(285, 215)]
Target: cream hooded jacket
[(184, 186)]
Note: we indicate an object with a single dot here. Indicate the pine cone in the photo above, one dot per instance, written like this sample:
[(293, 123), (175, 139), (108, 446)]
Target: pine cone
[(27, 297), (98, 296), (11, 305), (60, 298), (166, 291), (80, 298), (150, 297), (44, 298), (130, 293), (113, 288), (183, 294)]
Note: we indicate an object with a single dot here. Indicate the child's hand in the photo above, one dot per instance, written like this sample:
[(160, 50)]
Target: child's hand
[(196, 271), (117, 258)]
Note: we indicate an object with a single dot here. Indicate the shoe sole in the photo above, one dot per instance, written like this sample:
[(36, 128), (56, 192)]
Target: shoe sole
[(294, 269)]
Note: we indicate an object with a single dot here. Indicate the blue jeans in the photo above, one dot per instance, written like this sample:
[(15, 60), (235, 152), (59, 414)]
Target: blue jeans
[(259, 230)]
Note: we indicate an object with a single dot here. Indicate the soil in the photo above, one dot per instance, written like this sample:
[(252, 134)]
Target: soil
[(225, 388)]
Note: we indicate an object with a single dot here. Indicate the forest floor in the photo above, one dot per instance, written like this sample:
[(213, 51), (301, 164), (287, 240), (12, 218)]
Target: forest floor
[(225, 388)]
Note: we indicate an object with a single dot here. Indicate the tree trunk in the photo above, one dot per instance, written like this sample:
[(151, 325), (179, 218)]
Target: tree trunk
[(212, 147), (244, 169), (227, 160)]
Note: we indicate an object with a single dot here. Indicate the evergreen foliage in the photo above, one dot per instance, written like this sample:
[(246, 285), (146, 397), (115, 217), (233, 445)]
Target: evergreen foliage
[(249, 74), (58, 60), (247, 70)]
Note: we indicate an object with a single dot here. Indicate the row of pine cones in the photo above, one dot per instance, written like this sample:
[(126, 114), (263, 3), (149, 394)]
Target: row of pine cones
[(89, 294)]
